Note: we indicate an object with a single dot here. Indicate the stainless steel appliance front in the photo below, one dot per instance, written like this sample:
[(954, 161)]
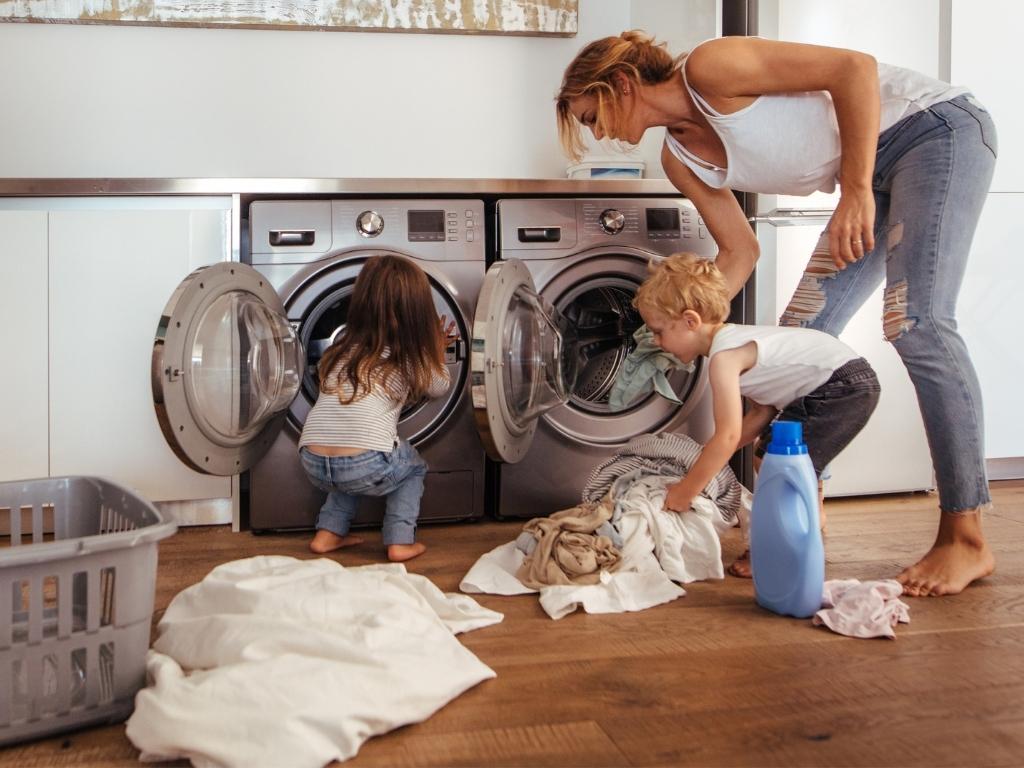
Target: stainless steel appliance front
[(587, 257)]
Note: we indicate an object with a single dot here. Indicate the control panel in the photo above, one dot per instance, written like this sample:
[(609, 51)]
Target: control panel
[(299, 231), (550, 228)]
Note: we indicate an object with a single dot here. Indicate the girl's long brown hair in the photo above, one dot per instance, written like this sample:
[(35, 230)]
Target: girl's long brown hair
[(391, 306)]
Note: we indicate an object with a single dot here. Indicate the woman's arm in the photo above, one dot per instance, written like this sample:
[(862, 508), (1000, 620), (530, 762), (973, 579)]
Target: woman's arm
[(724, 376), (737, 245), (737, 68)]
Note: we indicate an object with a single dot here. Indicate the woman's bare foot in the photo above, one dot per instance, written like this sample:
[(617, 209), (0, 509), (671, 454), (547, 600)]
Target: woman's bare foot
[(399, 553), (741, 566), (327, 541), (959, 556)]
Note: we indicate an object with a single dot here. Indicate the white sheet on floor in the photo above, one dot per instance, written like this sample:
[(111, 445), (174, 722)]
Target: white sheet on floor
[(274, 661), (659, 548)]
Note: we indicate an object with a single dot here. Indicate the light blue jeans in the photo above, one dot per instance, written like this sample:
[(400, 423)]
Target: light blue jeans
[(397, 474), (932, 174)]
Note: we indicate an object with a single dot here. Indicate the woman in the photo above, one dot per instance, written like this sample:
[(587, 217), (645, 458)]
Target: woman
[(914, 157)]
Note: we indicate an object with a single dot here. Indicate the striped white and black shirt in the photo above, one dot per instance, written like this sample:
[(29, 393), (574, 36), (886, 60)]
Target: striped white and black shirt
[(371, 422)]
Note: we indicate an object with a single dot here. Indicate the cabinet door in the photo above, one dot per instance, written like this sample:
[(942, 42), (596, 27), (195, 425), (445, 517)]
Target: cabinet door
[(989, 313), (113, 265), (23, 393), (978, 30)]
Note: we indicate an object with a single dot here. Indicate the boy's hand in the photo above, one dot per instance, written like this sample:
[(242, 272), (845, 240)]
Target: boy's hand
[(677, 499)]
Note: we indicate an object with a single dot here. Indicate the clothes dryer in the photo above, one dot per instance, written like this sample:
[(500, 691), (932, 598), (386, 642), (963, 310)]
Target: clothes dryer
[(235, 362), (586, 258)]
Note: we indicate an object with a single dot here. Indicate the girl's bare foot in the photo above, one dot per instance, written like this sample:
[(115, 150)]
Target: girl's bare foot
[(741, 566), (398, 553), (959, 556), (327, 541)]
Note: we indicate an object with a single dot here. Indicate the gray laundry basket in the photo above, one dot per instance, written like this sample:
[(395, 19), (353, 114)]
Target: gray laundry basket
[(76, 599)]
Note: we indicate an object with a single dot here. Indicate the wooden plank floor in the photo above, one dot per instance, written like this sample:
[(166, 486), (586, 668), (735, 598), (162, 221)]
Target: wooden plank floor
[(708, 680)]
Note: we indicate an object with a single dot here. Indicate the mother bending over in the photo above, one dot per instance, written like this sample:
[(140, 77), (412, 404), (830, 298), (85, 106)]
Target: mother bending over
[(914, 157)]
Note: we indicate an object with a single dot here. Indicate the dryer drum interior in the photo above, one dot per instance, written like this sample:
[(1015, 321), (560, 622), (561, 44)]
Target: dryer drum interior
[(605, 319), (602, 312)]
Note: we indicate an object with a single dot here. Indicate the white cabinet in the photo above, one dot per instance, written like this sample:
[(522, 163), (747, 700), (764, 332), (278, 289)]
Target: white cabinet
[(989, 307), (980, 34), (890, 454), (109, 266), (23, 339), (989, 314)]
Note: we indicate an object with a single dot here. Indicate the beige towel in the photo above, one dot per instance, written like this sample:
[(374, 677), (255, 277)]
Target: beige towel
[(568, 551)]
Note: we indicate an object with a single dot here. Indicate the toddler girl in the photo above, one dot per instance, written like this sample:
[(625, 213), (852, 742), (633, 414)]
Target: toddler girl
[(390, 353)]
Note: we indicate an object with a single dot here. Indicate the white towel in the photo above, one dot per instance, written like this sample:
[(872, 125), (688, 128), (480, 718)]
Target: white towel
[(274, 661)]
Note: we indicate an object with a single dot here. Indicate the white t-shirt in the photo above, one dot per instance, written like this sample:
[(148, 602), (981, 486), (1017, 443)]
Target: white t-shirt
[(788, 143), (371, 422), (791, 362)]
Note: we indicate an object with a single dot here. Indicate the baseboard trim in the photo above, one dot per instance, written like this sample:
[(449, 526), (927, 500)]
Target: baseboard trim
[(1005, 469)]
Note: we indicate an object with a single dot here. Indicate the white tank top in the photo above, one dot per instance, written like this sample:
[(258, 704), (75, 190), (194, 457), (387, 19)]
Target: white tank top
[(788, 143), (791, 362)]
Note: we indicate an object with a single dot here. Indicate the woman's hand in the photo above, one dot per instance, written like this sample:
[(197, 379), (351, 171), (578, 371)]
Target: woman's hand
[(851, 229)]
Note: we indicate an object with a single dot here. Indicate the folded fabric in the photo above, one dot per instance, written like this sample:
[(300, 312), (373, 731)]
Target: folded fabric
[(862, 609), (568, 550), (645, 369), (274, 661)]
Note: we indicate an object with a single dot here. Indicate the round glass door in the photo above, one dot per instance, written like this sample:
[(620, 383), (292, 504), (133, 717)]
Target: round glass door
[(524, 360), (226, 366)]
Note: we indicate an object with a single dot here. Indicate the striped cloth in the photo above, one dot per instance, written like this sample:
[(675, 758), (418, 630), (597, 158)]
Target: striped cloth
[(664, 454)]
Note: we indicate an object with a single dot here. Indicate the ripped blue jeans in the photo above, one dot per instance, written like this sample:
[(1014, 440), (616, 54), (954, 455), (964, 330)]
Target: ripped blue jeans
[(932, 174)]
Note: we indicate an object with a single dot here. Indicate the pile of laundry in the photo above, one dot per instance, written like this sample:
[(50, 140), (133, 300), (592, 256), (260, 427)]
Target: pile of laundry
[(618, 550)]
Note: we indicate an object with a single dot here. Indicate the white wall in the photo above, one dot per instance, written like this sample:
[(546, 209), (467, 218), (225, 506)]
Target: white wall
[(114, 101)]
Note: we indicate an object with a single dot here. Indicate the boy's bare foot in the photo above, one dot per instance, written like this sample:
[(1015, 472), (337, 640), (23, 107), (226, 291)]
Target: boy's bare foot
[(741, 566), (327, 541), (959, 556), (399, 553)]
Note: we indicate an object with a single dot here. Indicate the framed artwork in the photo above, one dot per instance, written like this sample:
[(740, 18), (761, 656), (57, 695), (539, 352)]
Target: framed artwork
[(500, 17)]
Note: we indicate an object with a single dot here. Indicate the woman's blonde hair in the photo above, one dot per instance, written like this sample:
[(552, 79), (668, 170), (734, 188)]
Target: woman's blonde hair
[(391, 308), (593, 73), (681, 282)]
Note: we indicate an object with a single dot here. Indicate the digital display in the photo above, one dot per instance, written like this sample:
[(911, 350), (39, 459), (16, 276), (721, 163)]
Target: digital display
[(663, 220), (426, 225)]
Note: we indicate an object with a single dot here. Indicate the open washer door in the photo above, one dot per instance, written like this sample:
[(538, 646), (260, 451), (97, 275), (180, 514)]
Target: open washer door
[(523, 360), (226, 365)]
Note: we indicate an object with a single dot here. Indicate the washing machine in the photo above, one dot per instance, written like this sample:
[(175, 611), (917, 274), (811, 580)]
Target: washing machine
[(585, 258), (236, 355)]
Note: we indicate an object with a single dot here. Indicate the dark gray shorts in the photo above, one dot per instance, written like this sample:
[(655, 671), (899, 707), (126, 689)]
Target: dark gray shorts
[(832, 414)]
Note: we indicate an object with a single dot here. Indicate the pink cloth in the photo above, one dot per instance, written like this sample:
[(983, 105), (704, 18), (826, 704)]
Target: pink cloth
[(868, 609)]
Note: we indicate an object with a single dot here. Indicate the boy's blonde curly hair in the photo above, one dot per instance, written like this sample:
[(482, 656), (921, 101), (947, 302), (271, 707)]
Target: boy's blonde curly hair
[(684, 281)]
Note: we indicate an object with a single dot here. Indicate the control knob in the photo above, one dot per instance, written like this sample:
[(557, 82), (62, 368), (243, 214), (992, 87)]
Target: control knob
[(369, 223), (612, 221)]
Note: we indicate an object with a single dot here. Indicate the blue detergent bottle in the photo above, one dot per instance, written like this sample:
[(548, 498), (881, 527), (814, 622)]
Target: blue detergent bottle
[(786, 552)]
